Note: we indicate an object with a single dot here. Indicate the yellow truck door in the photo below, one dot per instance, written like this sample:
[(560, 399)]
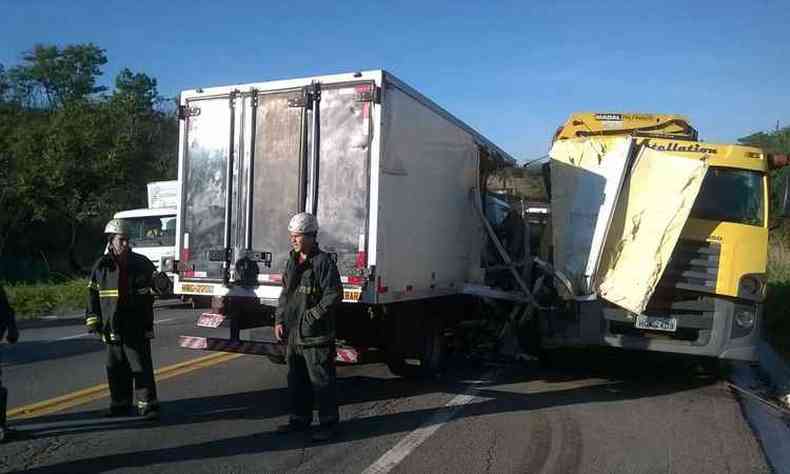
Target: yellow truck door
[(652, 209)]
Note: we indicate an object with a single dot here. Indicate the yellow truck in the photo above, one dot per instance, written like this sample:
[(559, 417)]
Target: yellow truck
[(661, 238)]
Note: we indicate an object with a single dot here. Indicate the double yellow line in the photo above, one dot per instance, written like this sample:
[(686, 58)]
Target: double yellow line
[(98, 392)]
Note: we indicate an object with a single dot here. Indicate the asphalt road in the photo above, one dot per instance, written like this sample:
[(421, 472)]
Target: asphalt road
[(606, 412)]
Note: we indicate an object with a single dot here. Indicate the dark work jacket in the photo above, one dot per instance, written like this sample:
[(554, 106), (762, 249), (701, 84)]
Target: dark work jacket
[(7, 317), (311, 290), (131, 319)]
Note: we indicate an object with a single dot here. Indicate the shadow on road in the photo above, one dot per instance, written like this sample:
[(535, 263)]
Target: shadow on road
[(27, 352), (38, 323), (607, 379)]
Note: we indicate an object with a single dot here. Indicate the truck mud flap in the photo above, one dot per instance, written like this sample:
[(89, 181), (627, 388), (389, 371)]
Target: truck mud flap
[(344, 354)]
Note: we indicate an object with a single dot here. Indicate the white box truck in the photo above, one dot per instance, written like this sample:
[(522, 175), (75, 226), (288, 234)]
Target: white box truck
[(394, 179), (152, 231)]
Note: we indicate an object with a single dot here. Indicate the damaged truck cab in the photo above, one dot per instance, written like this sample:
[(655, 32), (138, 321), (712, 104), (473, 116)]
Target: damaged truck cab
[(663, 237)]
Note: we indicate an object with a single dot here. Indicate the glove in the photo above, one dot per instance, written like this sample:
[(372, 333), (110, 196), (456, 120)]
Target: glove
[(162, 284)]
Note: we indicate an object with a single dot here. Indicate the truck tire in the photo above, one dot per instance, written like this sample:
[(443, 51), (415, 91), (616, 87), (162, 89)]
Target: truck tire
[(430, 360)]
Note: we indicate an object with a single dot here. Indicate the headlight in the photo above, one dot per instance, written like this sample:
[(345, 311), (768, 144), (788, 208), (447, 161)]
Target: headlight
[(752, 286), (744, 317)]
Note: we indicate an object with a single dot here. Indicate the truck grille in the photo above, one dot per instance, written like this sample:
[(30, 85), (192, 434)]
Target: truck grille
[(692, 269), (694, 314), (693, 266)]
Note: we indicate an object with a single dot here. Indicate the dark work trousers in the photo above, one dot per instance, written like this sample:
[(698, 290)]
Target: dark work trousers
[(311, 377), (129, 364), (3, 397)]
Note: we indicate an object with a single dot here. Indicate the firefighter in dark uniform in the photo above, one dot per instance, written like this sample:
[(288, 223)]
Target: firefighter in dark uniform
[(9, 331), (120, 310), (305, 316)]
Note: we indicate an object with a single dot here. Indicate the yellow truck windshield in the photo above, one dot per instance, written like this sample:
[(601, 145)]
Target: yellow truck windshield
[(731, 195)]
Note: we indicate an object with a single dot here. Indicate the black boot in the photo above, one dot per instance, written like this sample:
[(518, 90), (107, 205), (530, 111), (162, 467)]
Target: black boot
[(3, 405), (5, 432)]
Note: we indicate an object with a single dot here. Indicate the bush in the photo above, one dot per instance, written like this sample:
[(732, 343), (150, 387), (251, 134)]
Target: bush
[(777, 316), (40, 299)]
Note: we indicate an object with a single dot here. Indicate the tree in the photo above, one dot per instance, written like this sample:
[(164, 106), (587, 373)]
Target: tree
[(4, 84), (138, 90), (50, 77), (777, 141), (72, 155), (21, 137)]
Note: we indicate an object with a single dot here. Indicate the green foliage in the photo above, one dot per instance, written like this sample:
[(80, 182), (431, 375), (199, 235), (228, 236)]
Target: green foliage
[(777, 313), (51, 77), (777, 316), (42, 299), (72, 154), (777, 141)]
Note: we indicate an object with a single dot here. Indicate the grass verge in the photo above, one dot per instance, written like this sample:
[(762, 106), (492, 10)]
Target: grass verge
[(41, 299)]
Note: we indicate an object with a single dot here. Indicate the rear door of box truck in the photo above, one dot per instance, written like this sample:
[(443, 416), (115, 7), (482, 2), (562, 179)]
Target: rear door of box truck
[(257, 145)]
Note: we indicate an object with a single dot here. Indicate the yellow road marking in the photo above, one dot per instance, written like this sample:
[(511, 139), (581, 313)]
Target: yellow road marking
[(98, 392)]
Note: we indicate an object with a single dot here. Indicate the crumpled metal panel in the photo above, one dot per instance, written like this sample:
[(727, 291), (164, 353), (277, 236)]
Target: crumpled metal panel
[(586, 175), (651, 212)]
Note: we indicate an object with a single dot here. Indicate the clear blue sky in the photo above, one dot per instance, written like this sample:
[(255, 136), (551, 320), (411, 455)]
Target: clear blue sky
[(513, 70)]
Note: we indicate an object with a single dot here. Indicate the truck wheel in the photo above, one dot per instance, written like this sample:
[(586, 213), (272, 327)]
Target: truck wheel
[(429, 362)]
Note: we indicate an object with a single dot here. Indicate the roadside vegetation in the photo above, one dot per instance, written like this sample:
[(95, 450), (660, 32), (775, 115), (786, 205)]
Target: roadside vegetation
[(33, 300), (73, 151), (777, 306)]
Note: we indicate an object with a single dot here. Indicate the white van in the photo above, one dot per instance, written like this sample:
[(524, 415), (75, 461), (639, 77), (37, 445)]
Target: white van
[(152, 232)]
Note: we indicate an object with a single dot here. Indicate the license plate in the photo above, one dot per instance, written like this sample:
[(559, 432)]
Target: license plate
[(655, 323), (193, 288)]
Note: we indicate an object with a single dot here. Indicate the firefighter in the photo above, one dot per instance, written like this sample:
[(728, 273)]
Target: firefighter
[(305, 317), (120, 311), (8, 330)]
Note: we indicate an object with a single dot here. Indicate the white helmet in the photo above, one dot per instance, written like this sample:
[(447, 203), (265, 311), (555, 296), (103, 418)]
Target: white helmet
[(303, 223), (116, 226)]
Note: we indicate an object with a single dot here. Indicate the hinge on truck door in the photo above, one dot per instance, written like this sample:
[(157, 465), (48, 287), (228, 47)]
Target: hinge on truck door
[(306, 97), (185, 111), (300, 100)]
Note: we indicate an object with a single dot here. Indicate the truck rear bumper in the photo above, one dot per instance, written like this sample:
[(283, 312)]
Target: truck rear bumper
[(343, 354)]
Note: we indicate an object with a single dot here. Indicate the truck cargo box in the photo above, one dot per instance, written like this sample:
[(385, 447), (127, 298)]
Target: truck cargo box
[(390, 175)]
